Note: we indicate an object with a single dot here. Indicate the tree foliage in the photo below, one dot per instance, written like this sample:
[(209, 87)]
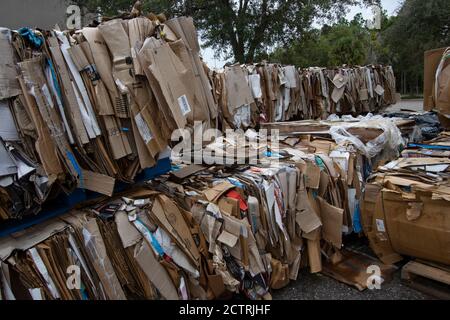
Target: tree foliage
[(345, 42), (242, 29), (418, 27), (248, 30)]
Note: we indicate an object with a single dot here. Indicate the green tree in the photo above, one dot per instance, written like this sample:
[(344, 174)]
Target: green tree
[(341, 43), (418, 27), (243, 28), (108, 7), (348, 42)]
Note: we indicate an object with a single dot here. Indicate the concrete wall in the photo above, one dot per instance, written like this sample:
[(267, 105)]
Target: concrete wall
[(43, 14)]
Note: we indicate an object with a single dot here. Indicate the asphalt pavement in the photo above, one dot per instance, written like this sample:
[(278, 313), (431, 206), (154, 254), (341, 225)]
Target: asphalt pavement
[(320, 287)]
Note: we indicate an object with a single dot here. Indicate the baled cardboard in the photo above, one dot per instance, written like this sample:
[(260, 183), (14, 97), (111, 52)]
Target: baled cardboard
[(194, 83), (96, 250), (170, 218), (118, 42), (9, 86), (69, 93), (432, 59), (83, 100), (102, 60), (312, 175), (138, 30), (144, 139), (44, 144), (426, 235), (157, 103), (378, 236), (239, 93), (184, 28)]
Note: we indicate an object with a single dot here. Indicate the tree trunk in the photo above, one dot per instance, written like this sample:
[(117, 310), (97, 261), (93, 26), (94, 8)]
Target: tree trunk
[(239, 54)]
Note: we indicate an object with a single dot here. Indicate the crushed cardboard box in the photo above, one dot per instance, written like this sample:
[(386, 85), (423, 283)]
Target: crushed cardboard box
[(405, 210)]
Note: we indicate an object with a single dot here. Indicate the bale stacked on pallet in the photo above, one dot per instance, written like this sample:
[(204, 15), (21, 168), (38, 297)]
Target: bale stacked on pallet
[(406, 205), (204, 232), (88, 108)]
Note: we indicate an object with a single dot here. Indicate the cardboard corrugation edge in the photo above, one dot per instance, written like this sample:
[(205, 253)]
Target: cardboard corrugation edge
[(30, 238)]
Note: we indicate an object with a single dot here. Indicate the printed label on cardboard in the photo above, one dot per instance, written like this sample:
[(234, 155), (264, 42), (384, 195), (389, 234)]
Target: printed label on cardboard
[(184, 105), (380, 225), (143, 128)]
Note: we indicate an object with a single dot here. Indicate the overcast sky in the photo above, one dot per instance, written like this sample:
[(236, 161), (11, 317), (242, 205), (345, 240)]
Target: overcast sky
[(390, 5)]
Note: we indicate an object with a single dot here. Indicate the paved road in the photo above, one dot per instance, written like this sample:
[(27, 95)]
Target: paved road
[(414, 105), (320, 287)]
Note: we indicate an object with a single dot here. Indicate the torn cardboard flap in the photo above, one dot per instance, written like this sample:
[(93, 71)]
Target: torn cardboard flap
[(171, 220), (229, 206), (306, 217), (332, 219), (213, 194), (169, 71), (228, 239), (175, 218), (127, 232), (155, 271), (414, 211), (239, 93), (97, 182)]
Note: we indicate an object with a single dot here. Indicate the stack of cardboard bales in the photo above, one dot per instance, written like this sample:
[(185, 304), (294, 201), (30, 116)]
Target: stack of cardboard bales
[(251, 94), (204, 232), (406, 202), (88, 108)]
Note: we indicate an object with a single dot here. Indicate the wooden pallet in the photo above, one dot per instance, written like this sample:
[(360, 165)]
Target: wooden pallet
[(429, 278)]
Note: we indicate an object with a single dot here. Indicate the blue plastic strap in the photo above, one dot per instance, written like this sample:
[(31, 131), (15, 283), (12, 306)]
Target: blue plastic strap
[(427, 146), (155, 242), (55, 79), (357, 227), (76, 166)]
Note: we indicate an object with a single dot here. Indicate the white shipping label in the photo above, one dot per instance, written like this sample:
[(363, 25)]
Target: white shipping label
[(184, 105), (380, 225), (143, 128)]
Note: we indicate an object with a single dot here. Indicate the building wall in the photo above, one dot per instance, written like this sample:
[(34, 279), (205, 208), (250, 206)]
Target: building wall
[(42, 14)]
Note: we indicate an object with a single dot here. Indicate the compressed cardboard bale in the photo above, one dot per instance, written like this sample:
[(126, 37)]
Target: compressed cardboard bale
[(426, 235)]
